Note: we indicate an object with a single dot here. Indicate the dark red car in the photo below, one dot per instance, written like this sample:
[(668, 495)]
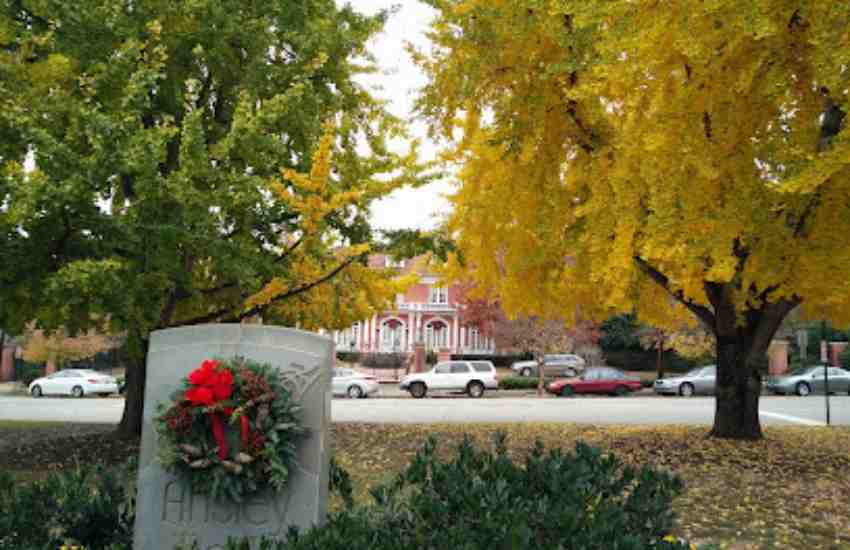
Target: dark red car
[(595, 380)]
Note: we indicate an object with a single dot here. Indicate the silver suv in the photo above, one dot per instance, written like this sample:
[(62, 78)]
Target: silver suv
[(564, 364), (472, 377)]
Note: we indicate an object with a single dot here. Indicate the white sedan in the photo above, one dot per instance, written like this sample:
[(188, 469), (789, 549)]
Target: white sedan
[(75, 382), (353, 384)]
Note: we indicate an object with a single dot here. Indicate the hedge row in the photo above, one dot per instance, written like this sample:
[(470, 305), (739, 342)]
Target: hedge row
[(648, 361), (521, 383)]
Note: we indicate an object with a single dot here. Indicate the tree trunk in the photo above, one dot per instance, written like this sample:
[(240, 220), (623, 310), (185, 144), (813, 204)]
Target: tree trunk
[(540, 374), (659, 365), (736, 414), (742, 342), (134, 394)]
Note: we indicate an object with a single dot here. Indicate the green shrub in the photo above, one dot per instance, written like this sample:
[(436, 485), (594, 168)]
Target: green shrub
[(348, 356), (521, 383), (89, 506), (430, 357), (648, 361), (26, 373), (844, 358), (384, 360), (480, 499)]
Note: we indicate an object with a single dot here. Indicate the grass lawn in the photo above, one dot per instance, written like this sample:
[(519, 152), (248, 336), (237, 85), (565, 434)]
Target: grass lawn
[(791, 490)]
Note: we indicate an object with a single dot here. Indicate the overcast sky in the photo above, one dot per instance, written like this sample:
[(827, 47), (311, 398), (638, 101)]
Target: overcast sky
[(398, 80)]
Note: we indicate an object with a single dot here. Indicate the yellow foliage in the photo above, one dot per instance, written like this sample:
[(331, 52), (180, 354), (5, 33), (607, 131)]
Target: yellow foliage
[(328, 284), (601, 142)]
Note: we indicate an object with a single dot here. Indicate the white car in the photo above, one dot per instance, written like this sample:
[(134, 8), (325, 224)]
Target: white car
[(76, 382), (353, 384), (472, 377)]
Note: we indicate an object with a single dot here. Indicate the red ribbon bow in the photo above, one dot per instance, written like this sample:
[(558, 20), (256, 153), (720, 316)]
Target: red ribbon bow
[(211, 385)]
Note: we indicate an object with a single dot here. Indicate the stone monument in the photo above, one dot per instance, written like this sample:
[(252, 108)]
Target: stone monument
[(167, 513)]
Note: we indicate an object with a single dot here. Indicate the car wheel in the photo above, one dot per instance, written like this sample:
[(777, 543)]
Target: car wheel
[(620, 391), (686, 390), (355, 392), (418, 390), (569, 373), (567, 391), (36, 391), (475, 389), (77, 391), (803, 389), (525, 372)]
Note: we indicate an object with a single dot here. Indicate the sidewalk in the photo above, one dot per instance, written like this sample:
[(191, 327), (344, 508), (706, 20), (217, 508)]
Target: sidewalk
[(7, 388)]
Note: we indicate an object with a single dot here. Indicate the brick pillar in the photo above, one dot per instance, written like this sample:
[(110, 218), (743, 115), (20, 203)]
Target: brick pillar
[(445, 354), (7, 364), (419, 357), (778, 357), (50, 368), (835, 349)]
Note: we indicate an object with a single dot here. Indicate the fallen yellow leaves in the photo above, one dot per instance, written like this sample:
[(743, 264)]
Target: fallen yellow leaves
[(786, 491)]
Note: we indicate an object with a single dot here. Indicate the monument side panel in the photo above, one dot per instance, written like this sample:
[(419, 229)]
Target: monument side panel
[(167, 511)]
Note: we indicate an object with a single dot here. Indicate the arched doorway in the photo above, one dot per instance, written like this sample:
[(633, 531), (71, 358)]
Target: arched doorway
[(393, 335), (436, 334)]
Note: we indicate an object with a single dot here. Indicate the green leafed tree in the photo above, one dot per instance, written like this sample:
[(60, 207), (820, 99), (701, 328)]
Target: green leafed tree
[(174, 162)]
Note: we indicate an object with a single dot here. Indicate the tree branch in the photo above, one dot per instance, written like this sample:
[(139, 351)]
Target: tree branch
[(703, 313), (227, 315)]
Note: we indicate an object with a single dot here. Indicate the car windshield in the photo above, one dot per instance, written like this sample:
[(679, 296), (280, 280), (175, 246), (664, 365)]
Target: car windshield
[(694, 372)]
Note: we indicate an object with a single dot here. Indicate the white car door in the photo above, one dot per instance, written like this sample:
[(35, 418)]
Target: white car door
[(70, 380), (337, 382), (57, 384), (52, 384), (440, 377), (460, 376)]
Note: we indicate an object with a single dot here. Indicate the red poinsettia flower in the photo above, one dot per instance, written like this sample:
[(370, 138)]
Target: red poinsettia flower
[(200, 395), (205, 374), (223, 387)]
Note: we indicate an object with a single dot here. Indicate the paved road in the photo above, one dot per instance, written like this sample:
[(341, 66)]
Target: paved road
[(627, 410)]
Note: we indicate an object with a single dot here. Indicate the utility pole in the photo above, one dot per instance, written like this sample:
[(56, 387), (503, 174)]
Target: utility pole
[(825, 360)]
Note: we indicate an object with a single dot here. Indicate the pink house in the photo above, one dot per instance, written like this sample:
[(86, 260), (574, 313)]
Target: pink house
[(427, 312)]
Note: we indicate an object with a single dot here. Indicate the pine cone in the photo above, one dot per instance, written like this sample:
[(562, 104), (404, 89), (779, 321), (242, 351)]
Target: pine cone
[(191, 450), (244, 458), (262, 415), (231, 467)]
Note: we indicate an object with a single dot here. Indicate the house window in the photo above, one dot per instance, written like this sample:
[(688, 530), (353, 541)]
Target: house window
[(438, 295), (474, 338), (347, 338), (436, 335), (392, 336)]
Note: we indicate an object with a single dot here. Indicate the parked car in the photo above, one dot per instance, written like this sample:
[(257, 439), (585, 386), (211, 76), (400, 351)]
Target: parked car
[(353, 384), (809, 380), (565, 364), (76, 382), (605, 380), (472, 377), (699, 381)]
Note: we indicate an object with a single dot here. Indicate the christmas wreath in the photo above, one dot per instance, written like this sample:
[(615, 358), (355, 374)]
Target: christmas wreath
[(230, 429)]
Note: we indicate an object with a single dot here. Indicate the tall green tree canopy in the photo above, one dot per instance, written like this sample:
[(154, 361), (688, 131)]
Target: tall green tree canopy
[(617, 153), (179, 169)]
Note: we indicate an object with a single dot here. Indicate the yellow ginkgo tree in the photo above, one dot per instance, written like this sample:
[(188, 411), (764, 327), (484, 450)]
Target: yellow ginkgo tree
[(612, 155)]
